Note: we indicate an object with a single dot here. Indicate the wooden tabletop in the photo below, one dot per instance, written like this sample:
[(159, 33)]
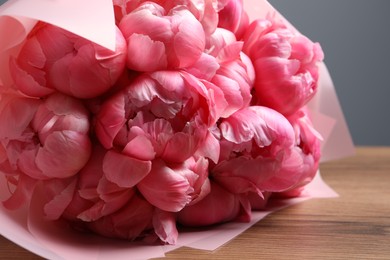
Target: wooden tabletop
[(354, 226)]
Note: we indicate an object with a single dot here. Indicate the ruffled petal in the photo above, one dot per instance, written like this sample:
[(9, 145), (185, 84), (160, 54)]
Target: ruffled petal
[(123, 170), (165, 189)]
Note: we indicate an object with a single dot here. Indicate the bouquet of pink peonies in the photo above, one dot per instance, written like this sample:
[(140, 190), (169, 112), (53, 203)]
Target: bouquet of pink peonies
[(197, 116)]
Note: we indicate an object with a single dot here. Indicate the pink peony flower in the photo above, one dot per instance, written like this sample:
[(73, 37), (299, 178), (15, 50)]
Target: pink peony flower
[(50, 138), (173, 110), (235, 75), (265, 153), (157, 130), (44, 140), (53, 59), (285, 63), (256, 143), (158, 40)]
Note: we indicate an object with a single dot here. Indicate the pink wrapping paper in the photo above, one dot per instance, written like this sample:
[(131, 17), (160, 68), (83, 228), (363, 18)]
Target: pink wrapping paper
[(53, 240)]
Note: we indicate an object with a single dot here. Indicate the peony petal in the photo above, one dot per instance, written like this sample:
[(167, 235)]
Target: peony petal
[(63, 191), (210, 148), (145, 54), (204, 68), (217, 207), (164, 224), (243, 174), (27, 164), (230, 52), (189, 41), (128, 223), (110, 120), (180, 147), (165, 189), (21, 196), (123, 170), (232, 94), (27, 83), (141, 148), (63, 154), (109, 205), (18, 113), (244, 125)]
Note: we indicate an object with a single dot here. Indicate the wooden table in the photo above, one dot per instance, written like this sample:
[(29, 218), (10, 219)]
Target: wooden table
[(354, 226)]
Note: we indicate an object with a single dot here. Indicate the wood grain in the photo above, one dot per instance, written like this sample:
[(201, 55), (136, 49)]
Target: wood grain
[(354, 226)]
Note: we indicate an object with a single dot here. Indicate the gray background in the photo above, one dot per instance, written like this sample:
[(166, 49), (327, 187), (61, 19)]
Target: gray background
[(355, 36)]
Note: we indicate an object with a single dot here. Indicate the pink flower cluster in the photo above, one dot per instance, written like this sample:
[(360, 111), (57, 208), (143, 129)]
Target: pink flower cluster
[(197, 118)]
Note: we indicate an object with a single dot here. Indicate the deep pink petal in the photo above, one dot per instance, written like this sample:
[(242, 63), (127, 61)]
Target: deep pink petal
[(63, 192), (27, 83), (109, 205), (164, 224), (22, 194), (210, 148), (63, 154), (217, 207), (141, 148), (145, 54), (180, 147), (110, 120), (165, 189), (128, 223), (123, 170), (17, 112)]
